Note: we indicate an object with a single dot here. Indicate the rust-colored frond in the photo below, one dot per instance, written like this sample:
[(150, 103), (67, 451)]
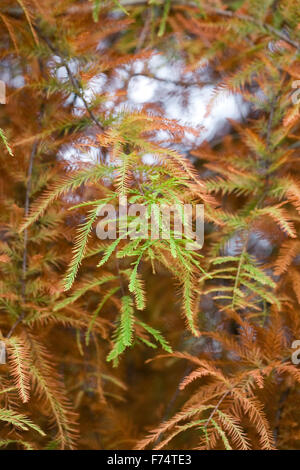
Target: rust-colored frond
[(19, 358)]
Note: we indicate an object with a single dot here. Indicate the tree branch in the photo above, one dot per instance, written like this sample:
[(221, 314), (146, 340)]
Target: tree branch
[(25, 242), (225, 13), (72, 78)]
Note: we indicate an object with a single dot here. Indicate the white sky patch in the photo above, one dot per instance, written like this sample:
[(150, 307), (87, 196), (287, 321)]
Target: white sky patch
[(73, 155), (61, 72), (138, 66), (97, 83), (161, 67), (141, 89), (148, 159), (162, 81)]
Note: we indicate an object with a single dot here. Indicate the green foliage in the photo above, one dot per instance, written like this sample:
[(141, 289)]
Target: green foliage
[(157, 336), (4, 140), (18, 420)]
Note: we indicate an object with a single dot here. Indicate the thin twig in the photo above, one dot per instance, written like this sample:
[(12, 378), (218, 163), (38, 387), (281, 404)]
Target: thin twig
[(266, 162), (282, 400), (249, 19), (119, 274), (25, 240), (173, 399), (216, 408), (173, 82), (72, 78), (210, 10)]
